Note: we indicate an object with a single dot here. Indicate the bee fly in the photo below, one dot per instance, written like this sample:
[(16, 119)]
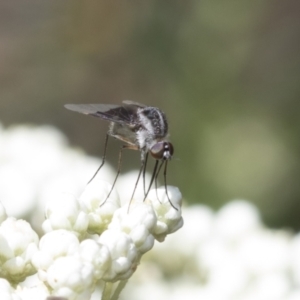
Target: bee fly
[(140, 127)]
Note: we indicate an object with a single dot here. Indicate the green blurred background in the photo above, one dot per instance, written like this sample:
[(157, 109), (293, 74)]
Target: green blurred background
[(225, 72)]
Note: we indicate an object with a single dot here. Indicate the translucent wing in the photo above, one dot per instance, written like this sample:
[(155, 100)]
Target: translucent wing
[(125, 115), (129, 102), (90, 108), (123, 133)]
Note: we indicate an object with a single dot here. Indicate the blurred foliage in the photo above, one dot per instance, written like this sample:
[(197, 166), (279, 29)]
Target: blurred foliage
[(226, 74)]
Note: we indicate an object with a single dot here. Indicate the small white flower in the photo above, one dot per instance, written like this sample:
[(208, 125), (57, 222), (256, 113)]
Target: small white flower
[(64, 212), (123, 253), (178, 251), (99, 209), (53, 245), (137, 221), (169, 219), (71, 278), (18, 243), (7, 292), (97, 254), (37, 292), (62, 243)]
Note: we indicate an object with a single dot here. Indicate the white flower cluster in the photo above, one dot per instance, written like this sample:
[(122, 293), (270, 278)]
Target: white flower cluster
[(228, 255), (18, 243), (87, 241), (36, 163), (87, 244), (90, 240)]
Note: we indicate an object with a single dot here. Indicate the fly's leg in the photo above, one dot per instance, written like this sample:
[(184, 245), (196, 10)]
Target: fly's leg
[(144, 173), (119, 169), (152, 178), (103, 158), (159, 168), (165, 180), (142, 170)]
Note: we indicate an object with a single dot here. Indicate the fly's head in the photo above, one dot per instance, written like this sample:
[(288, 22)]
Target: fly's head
[(162, 150)]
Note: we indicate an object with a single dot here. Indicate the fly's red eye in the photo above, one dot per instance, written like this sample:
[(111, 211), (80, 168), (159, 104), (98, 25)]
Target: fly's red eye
[(162, 150), (157, 151)]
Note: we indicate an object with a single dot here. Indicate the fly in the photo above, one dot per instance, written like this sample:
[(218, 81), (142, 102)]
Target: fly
[(139, 127)]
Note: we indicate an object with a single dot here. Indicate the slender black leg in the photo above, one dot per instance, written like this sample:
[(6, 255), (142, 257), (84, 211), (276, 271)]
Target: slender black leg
[(144, 173), (137, 181), (142, 168), (103, 158), (159, 168), (165, 179), (118, 171), (152, 178)]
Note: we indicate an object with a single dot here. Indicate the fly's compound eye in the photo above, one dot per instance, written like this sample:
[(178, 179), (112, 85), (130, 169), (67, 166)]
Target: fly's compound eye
[(162, 150)]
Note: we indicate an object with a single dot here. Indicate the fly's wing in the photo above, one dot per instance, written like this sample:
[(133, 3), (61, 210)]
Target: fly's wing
[(124, 118), (125, 115), (123, 133), (129, 102)]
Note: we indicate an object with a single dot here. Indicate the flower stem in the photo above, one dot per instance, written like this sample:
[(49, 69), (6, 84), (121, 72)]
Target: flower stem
[(119, 289), (107, 291)]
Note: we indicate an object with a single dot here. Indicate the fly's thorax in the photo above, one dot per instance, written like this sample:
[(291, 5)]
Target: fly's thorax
[(153, 127), (144, 139), (153, 121)]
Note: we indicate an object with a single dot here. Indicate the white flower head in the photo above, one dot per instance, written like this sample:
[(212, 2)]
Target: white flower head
[(169, 219), (18, 244), (60, 249), (64, 212), (72, 278), (96, 254), (55, 244), (123, 253), (37, 291), (89, 239), (7, 292), (98, 207), (137, 221)]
